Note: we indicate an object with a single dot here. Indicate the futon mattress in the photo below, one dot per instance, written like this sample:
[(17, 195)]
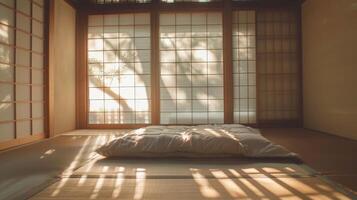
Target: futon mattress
[(225, 140)]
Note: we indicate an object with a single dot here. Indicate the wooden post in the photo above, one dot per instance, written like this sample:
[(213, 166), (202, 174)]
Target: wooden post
[(227, 62)]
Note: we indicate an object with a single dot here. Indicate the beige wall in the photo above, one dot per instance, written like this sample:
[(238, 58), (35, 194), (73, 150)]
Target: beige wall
[(330, 66), (64, 67)]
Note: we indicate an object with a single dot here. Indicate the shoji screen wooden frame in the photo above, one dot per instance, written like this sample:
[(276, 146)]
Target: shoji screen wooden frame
[(33, 136), (293, 117), (155, 7)]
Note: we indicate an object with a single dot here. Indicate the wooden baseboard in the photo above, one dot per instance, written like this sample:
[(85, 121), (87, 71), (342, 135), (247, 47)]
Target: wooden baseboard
[(20, 141)]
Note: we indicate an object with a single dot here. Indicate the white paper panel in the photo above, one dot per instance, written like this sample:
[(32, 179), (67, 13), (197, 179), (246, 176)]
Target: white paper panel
[(6, 111), (95, 44), (95, 32), (110, 44), (37, 77), (37, 61), (142, 19), (6, 92), (119, 48), (96, 118), (10, 3), (7, 54), (23, 57), (23, 6), (23, 22), (6, 34), (23, 75), (37, 28), (37, 45), (37, 93), (37, 12), (127, 19), (6, 72), (143, 117), (38, 126), (23, 129), (126, 31), (244, 67), (142, 31), (7, 131), (37, 110), (112, 117), (110, 20), (191, 63), (23, 110), (127, 117), (95, 20), (6, 15), (40, 2), (22, 92)]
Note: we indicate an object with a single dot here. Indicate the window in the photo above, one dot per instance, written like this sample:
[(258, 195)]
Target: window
[(188, 63), (21, 69), (191, 87), (244, 67), (119, 69)]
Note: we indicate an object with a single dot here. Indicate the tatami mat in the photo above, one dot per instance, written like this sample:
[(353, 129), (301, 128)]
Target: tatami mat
[(26, 170), (192, 179), (195, 188), (156, 168), (66, 168)]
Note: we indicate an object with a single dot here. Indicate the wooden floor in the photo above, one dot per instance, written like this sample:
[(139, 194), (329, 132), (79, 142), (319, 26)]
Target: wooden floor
[(335, 156)]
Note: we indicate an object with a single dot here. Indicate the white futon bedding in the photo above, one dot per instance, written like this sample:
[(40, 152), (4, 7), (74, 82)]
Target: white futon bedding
[(193, 141)]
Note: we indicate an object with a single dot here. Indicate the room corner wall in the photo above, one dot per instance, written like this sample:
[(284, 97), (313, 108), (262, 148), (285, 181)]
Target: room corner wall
[(330, 66), (64, 68)]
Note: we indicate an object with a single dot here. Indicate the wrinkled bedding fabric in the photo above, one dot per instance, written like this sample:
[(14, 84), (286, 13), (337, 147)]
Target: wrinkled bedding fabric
[(193, 141)]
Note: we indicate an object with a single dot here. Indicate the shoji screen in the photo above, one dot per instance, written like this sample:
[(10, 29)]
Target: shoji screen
[(119, 69), (191, 88), (21, 69), (244, 66), (277, 65)]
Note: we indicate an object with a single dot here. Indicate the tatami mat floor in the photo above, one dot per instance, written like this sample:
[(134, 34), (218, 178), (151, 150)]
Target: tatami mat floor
[(65, 167), (331, 155)]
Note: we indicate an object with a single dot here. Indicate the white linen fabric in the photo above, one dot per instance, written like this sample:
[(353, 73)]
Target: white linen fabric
[(193, 141)]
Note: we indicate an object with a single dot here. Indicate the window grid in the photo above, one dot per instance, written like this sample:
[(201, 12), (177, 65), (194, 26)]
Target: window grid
[(244, 66), (278, 65), (116, 94), (21, 69), (180, 103), (273, 57)]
